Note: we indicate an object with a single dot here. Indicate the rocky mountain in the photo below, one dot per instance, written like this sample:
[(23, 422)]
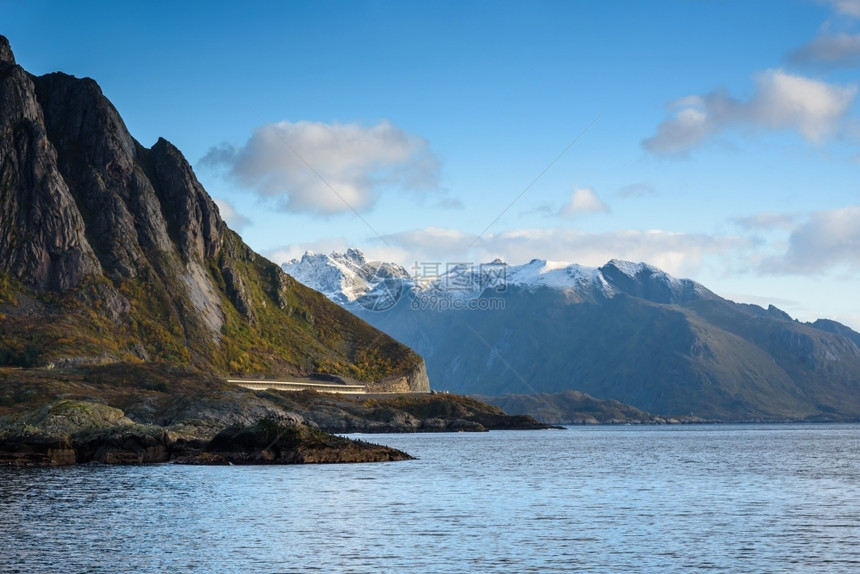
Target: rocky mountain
[(112, 251), (624, 331), (346, 277)]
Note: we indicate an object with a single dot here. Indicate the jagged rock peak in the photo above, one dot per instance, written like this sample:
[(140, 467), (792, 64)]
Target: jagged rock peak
[(79, 117), (355, 255), (6, 55), (191, 210), (632, 269)]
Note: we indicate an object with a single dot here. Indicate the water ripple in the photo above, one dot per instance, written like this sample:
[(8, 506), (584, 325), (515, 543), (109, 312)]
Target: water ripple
[(659, 499)]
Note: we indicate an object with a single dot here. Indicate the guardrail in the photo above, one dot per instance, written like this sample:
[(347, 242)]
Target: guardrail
[(262, 385)]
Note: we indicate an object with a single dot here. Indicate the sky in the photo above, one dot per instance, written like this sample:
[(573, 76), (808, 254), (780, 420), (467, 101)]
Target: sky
[(717, 140)]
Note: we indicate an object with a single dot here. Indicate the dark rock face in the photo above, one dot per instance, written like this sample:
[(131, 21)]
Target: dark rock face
[(85, 198), (6, 55), (44, 243), (138, 199), (193, 215), (143, 210)]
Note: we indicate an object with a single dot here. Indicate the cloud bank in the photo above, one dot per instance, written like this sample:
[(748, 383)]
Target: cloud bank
[(326, 169), (677, 253), (810, 245), (813, 108), (826, 240), (830, 50), (844, 7)]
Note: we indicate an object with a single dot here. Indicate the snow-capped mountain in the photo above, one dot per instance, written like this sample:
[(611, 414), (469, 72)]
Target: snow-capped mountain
[(351, 280), (342, 277), (624, 331)]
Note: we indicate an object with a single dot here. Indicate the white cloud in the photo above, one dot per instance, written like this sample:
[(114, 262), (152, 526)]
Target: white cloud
[(677, 253), (782, 101), (233, 218), (583, 200), (678, 135), (845, 7), (430, 240), (827, 240), (326, 169), (814, 108), (830, 50)]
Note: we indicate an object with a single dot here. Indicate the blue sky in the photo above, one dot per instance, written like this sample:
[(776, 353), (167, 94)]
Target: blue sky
[(717, 140)]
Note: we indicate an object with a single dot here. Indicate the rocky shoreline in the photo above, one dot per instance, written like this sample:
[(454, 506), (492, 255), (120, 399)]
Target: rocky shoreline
[(74, 432), (155, 413)]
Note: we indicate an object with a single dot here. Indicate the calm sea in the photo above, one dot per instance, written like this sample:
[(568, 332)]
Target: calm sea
[(768, 498)]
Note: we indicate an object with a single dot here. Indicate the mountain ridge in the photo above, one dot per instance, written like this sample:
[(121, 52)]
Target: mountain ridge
[(623, 331), (346, 277)]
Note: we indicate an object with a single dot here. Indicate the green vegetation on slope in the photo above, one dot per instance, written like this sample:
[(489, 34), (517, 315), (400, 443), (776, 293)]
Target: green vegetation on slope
[(291, 329)]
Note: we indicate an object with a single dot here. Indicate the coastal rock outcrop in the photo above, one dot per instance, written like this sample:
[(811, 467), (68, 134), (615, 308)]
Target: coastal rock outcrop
[(69, 432), (276, 441), (154, 413)]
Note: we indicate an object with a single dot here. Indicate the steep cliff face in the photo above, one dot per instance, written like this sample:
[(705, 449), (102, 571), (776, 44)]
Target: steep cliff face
[(113, 251), (43, 239)]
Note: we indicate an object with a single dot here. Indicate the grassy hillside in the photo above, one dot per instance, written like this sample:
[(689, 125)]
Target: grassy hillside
[(292, 329)]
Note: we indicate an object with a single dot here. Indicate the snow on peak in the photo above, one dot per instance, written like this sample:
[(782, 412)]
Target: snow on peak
[(342, 277), (553, 274), (633, 269), (653, 283), (345, 277)]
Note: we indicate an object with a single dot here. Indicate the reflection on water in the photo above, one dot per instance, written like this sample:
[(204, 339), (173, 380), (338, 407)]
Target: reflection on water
[(607, 499)]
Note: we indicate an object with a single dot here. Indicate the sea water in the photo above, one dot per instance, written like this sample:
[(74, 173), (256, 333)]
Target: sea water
[(758, 498)]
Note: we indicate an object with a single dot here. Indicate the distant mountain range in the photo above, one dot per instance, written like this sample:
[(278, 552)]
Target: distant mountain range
[(624, 331), (114, 252)]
